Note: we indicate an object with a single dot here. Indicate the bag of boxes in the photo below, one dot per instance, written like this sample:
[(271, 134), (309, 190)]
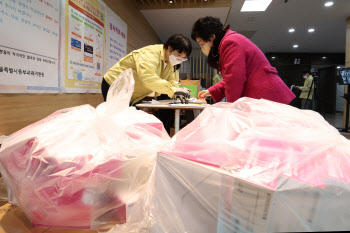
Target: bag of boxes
[(83, 167), (251, 166)]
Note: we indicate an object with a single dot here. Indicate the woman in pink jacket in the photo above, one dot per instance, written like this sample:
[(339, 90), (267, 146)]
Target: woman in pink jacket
[(245, 70)]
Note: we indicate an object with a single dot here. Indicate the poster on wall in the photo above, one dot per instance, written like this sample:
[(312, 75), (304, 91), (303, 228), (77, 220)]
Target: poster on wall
[(29, 46), (85, 37), (116, 38)]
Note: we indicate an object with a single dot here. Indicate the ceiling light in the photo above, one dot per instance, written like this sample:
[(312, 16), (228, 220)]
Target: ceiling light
[(324, 57), (311, 30), (273, 57), (291, 30), (338, 67), (255, 5), (328, 4), (171, 1), (295, 46)]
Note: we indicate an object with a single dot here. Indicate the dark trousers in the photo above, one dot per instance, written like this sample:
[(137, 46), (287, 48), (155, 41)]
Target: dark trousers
[(166, 116), (306, 104), (104, 88)]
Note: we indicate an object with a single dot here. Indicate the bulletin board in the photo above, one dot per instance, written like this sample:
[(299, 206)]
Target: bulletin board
[(29, 46), (116, 38), (62, 46), (85, 41)]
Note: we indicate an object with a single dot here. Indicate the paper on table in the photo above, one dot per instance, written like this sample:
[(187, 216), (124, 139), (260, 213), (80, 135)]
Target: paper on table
[(155, 102), (189, 105)]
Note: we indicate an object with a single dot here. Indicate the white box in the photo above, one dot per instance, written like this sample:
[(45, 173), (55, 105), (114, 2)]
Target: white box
[(192, 197), (244, 207), (335, 212), (292, 207), (186, 196)]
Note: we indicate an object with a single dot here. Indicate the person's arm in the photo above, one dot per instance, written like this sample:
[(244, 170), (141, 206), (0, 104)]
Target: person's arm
[(217, 92), (307, 84), (233, 73), (146, 67), (174, 78)]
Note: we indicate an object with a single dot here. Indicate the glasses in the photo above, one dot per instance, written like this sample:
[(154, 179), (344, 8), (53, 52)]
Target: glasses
[(182, 58)]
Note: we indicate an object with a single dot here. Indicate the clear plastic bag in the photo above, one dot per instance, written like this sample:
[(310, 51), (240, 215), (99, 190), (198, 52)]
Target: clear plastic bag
[(83, 167), (249, 166)]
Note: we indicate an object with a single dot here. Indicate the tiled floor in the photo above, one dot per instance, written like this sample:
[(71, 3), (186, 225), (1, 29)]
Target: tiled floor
[(336, 120), (347, 135)]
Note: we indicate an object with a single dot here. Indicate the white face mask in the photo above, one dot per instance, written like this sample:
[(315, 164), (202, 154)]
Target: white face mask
[(174, 60), (206, 48), (305, 77)]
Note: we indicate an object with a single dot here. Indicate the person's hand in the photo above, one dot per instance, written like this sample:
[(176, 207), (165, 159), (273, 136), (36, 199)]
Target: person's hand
[(202, 101), (183, 94), (203, 94)]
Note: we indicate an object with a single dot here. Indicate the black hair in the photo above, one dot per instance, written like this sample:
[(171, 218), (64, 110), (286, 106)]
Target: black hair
[(306, 72), (180, 43), (204, 28)]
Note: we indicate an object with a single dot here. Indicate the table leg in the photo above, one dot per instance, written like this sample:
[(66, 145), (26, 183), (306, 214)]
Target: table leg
[(177, 120)]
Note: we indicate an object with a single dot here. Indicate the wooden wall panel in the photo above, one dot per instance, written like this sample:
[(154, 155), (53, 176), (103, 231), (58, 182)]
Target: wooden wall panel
[(20, 110)]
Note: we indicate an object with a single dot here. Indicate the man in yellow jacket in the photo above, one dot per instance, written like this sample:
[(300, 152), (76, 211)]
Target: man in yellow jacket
[(307, 91), (154, 69)]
